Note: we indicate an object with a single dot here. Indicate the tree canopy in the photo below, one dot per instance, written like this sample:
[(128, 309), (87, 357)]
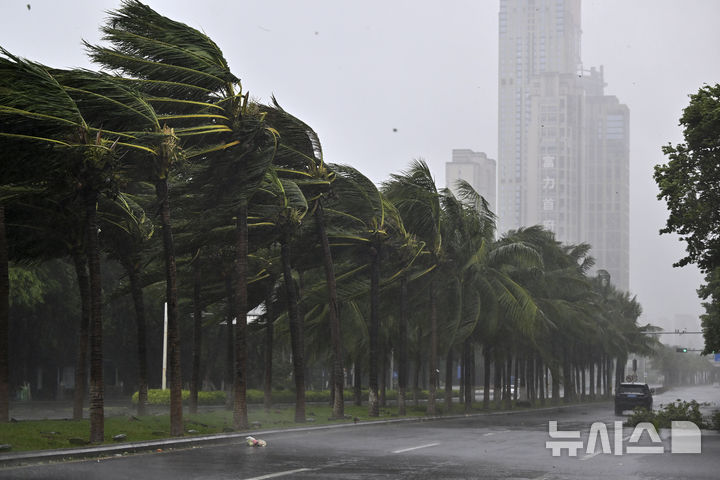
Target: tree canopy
[(690, 185)]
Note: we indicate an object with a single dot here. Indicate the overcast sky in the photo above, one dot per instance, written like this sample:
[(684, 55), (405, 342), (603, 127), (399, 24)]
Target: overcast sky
[(384, 81)]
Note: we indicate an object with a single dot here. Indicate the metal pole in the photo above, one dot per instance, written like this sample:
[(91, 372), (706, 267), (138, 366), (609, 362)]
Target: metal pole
[(164, 363)]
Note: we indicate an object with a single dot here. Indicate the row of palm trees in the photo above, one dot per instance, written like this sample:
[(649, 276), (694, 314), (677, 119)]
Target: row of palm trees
[(249, 213)]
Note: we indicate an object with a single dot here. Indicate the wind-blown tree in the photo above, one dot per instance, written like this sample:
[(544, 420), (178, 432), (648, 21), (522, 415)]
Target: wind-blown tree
[(416, 197), (185, 76), (4, 321), (364, 222), (479, 287), (560, 290), (299, 157), (74, 112), (125, 234), (293, 208), (690, 185)]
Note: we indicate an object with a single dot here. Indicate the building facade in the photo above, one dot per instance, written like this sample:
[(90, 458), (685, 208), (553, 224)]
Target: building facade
[(563, 145), (476, 169)]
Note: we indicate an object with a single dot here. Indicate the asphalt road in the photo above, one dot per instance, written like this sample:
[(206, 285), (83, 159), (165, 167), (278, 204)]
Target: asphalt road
[(485, 446)]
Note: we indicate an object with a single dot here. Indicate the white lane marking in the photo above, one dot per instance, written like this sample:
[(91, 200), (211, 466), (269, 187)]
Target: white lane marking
[(416, 448), (590, 455), (280, 474), (495, 432)]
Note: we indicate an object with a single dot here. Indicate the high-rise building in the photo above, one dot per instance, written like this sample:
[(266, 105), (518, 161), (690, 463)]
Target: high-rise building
[(562, 143), (605, 219), (476, 169)]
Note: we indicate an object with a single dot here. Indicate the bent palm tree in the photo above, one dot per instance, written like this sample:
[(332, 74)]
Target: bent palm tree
[(185, 76), (67, 115)]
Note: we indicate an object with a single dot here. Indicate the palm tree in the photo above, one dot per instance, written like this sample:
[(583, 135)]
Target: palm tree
[(184, 74), (299, 157), (4, 321), (418, 200), (126, 232), (64, 110), (363, 221)]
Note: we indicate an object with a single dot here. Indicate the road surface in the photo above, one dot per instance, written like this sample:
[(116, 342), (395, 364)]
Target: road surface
[(485, 446)]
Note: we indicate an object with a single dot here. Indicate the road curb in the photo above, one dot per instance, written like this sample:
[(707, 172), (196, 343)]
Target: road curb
[(42, 456)]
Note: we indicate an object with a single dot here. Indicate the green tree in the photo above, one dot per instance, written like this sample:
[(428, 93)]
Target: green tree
[(185, 76), (418, 200), (690, 185)]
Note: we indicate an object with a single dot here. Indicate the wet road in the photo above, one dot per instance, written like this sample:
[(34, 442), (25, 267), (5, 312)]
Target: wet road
[(489, 446)]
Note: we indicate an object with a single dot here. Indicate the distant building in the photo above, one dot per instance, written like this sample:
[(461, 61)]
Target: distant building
[(476, 169), (563, 152), (605, 217)]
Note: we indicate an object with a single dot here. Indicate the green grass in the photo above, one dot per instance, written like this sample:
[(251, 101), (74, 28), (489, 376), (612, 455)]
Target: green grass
[(53, 434), (56, 434)]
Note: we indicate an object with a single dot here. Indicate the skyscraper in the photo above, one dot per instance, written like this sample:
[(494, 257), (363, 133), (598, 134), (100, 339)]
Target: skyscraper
[(476, 169), (562, 144)]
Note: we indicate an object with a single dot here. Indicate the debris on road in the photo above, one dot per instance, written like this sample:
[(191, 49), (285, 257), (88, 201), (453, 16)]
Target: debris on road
[(255, 442)]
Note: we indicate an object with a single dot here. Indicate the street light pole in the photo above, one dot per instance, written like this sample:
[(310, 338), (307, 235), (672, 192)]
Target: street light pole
[(165, 337)]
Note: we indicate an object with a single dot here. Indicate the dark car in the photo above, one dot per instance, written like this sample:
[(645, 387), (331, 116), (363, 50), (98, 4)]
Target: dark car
[(631, 395)]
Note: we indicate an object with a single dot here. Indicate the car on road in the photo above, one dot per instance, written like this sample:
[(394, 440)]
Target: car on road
[(631, 395)]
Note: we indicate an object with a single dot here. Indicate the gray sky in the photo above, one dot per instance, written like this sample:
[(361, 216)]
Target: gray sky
[(357, 70)]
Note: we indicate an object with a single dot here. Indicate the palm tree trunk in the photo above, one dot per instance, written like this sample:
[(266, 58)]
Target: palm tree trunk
[(383, 375), (529, 379), (176, 422), (448, 380), (433, 367), (487, 363), (197, 336), (497, 381), (508, 381), (567, 379), (373, 407), (620, 371), (609, 389), (230, 342), (269, 322), (517, 378), (555, 371), (240, 414), (418, 370), (358, 381), (4, 323), (402, 348), (333, 317), (132, 269), (97, 392), (577, 382), (296, 339), (81, 357), (541, 380)]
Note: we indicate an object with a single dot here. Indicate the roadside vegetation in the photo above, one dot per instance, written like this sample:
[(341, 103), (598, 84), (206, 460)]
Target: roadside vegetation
[(156, 187), (674, 411), (58, 434)]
